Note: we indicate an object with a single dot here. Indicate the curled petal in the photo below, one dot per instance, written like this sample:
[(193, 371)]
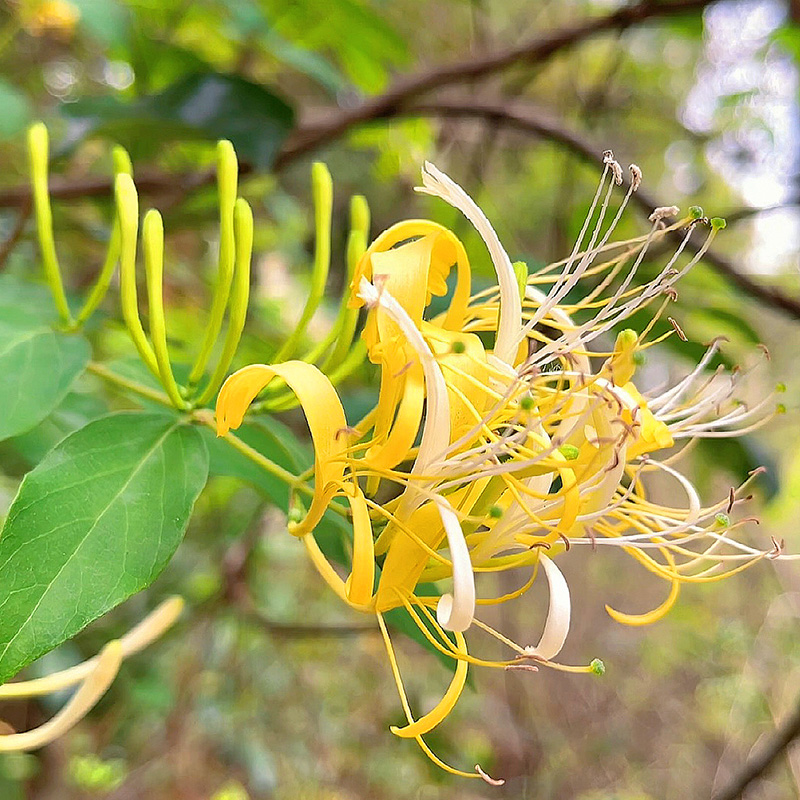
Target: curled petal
[(436, 431), (456, 611), (413, 281), (430, 720), (324, 414), (651, 616), (362, 577), (556, 627), (509, 331)]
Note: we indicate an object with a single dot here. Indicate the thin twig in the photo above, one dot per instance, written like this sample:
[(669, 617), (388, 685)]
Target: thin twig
[(757, 765), (294, 630), (334, 124), (533, 51)]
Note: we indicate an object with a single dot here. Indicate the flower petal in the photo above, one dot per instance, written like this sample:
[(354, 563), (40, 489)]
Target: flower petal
[(323, 411), (556, 627), (456, 611), (510, 327)]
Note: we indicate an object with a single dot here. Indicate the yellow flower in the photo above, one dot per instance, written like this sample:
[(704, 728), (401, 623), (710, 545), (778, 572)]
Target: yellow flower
[(502, 435)]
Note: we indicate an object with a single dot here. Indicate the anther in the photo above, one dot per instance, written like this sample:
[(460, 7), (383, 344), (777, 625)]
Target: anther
[(405, 368), (592, 538), (636, 177), (678, 330), (672, 293), (764, 350), (543, 545), (731, 500), (664, 212), (777, 548)]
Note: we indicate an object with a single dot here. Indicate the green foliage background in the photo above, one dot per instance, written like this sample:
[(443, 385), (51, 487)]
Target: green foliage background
[(267, 688)]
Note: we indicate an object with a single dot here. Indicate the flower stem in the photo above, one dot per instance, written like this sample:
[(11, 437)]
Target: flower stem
[(103, 372)]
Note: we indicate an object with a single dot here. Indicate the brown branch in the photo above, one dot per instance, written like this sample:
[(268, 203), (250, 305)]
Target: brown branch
[(310, 136), (532, 51), (538, 123), (757, 765)]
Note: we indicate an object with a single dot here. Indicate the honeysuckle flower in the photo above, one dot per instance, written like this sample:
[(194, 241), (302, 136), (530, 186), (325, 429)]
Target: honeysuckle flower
[(504, 433), (92, 677)]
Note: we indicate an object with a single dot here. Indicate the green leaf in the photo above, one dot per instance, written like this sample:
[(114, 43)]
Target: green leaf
[(33, 297), (37, 367), (76, 410), (94, 523), (204, 106)]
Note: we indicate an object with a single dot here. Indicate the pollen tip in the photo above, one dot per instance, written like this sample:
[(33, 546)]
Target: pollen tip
[(664, 212), (488, 778), (597, 666), (636, 177)]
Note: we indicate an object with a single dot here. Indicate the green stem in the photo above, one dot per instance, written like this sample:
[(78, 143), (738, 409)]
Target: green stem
[(38, 149), (206, 417), (240, 297), (153, 245), (322, 188), (126, 383), (122, 166), (227, 178)]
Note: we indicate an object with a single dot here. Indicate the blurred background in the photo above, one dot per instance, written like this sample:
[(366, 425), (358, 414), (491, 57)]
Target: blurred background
[(268, 688)]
